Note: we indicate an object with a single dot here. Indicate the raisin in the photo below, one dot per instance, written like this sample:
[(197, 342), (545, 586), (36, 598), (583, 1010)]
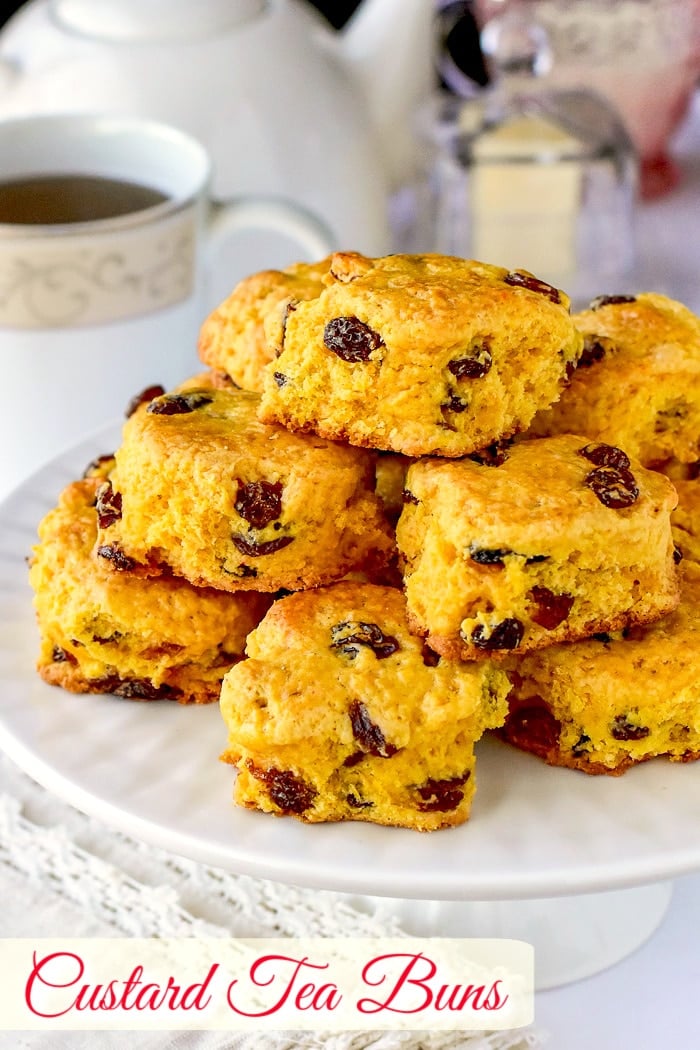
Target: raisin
[(408, 497), (106, 684), (694, 470), (62, 656), (351, 339), (147, 395), (508, 634), (526, 280), (610, 300), (259, 502), (593, 351), (354, 759), (135, 688), (455, 404), (178, 404), (552, 609), (280, 378), (430, 658), (367, 733), (677, 554), (581, 745), (289, 792), (488, 556), (623, 729), (109, 639), (289, 308), (356, 803), (602, 455), (602, 636), (116, 556), (494, 455), (441, 796), (477, 364), (97, 465), (614, 488), (242, 572), (142, 689), (108, 505), (531, 725), (351, 634), (257, 549)]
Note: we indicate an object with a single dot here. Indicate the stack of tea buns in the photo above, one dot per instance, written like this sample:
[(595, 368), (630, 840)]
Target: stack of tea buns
[(428, 502)]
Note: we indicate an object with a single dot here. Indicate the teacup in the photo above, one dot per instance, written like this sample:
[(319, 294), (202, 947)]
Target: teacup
[(105, 232)]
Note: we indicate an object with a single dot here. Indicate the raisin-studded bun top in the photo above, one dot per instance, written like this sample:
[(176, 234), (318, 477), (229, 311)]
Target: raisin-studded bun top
[(637, 384), (548, 541), (543, 490), (420, 354), (351, 644), (203, 489), (340, 713), (637, 326)]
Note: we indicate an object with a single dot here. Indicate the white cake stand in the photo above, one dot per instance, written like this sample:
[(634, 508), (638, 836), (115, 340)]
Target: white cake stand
[(576, 865)]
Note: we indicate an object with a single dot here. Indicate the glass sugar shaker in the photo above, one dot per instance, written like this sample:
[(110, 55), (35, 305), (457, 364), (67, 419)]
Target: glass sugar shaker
[(523, 175)]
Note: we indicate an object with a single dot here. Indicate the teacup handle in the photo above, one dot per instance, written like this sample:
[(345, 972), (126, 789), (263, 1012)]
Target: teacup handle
[(313, 236)]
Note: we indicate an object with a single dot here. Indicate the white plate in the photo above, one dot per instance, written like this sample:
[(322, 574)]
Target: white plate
[(152, 769)]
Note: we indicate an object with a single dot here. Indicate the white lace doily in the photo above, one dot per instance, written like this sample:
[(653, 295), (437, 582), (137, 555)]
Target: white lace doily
[(63, 873)]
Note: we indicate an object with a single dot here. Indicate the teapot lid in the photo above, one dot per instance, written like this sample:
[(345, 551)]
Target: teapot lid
[(142, 20)]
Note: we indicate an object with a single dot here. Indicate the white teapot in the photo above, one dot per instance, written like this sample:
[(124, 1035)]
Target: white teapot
[(286, 107)]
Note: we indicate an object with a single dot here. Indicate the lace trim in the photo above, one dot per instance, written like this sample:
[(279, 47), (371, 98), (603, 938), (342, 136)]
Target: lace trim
[(55, 856)]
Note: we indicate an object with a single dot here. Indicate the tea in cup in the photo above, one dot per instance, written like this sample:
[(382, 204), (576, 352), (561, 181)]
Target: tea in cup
[(104, 228)]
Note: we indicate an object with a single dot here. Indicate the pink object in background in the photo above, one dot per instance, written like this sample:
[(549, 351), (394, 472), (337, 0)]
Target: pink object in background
[(642, 55)]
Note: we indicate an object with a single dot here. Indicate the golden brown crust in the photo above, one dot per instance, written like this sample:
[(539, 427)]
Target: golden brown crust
[(234, 340), (525, 554), (638, 385), (424, 354), (179, 684), (606, 704), (107, 632), (228, 502), (348, 706), (455, 649), (341, 714)]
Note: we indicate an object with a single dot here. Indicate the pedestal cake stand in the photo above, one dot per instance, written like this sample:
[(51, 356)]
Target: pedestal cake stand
[(579, 866)]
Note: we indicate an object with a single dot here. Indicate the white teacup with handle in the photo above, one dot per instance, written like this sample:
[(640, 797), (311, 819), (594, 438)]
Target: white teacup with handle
[(106, 233)]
